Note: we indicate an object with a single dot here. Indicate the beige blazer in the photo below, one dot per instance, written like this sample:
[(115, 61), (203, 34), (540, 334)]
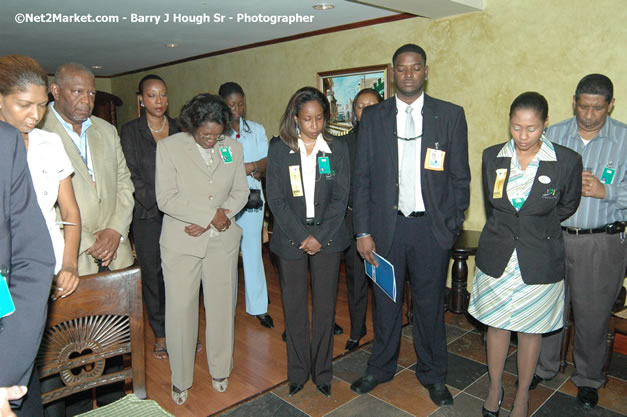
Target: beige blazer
[(107, 204), (189, 192)]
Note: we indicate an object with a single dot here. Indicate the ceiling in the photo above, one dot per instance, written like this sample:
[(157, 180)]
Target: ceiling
[(131, 44)]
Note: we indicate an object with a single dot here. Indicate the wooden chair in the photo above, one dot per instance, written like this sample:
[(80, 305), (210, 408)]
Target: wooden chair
[(102, 319)]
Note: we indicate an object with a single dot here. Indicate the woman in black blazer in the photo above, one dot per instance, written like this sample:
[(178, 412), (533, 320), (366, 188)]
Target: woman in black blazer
[(139, 139), (308, 180), (530, 186)]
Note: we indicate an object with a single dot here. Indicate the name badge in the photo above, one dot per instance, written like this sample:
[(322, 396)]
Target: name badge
[(608, 175), (518, 202), (297, 186), (434, 159), (501, 174), (225, 153), (323, 165), (6, 301)]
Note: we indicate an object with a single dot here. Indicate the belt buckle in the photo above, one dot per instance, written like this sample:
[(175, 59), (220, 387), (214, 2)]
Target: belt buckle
[(575, 230)]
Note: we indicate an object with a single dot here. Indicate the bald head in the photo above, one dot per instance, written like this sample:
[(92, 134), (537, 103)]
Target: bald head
[(66, 71)]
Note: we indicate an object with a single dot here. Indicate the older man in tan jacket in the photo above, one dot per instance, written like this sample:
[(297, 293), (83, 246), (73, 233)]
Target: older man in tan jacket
[(102, 181)]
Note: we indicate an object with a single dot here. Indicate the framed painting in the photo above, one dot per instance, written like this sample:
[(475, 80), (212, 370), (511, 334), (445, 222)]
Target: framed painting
[(341, 86)]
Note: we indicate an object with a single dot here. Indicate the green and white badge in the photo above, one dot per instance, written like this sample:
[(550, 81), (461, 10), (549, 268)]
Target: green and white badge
[(518, 202), (608, 175), (225, 153), (323, 165)]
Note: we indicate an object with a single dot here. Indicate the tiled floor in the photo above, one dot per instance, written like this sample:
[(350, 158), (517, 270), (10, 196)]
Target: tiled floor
[(467, 380)]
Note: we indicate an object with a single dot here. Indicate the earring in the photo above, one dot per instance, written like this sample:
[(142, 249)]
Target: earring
[(142, 104), (298, 131)]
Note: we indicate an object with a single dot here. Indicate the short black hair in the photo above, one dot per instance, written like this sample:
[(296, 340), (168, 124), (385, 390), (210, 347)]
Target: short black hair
[(410, 47), (229, 88), (204, 108), (597, 85), (533, 101), (140, 87)]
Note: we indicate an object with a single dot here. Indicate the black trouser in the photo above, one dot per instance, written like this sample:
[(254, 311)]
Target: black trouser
[(356, 284), (307, 357), (146, 233), (415, 253)]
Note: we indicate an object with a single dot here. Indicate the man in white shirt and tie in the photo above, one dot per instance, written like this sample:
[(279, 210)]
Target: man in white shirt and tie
[(410, 190)]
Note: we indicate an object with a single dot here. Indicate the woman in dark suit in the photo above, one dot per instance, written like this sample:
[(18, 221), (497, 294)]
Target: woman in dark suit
[(530, 186), (139, 139), (356, 281), (308, 179)]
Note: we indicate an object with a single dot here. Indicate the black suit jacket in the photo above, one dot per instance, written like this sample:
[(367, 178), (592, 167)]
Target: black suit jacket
[(140, 151), (534, 231), (446, 193), (331, 196), (26, 258)]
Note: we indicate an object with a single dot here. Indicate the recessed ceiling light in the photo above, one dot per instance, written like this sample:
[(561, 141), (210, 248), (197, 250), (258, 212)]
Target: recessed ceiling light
[(96, 67), (324, 6), (172, 45)]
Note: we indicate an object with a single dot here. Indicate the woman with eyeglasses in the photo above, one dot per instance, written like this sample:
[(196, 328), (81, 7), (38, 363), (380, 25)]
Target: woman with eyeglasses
[(200, 186)]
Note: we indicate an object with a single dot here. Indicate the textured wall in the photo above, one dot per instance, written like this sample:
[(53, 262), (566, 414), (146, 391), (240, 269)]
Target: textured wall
[(480, 60)]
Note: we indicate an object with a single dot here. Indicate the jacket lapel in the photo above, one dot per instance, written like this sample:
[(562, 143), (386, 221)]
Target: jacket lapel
[(70, 148), (96, 149), (503, 202), (545, 169), (389, 131), (194, 154)]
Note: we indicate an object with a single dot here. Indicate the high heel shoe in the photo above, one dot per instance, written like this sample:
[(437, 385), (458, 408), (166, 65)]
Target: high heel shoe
[(179, 397), (488, 413), (220, 385)]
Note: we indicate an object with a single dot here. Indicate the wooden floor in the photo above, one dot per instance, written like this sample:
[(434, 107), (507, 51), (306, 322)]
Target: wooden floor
[(260, 357)]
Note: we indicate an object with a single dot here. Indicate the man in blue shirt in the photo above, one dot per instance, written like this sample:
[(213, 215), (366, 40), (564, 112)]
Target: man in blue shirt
[(594, 236)]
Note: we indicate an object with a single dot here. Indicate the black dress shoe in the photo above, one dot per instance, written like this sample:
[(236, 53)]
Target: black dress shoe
[(587, 397), (294, 389), (364, 384), (487, 413), (439, 394), (266, 320), (325, 389), (351, 344), (535, 381), (337, 329)]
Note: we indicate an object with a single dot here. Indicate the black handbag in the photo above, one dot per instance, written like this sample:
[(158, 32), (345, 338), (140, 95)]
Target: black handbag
[(254, 200)]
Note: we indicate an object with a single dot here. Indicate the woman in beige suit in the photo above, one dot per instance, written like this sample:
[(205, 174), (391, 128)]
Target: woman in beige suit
[(200, 185)]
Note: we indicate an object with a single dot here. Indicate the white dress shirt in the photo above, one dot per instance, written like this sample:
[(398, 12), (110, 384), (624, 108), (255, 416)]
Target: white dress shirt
[(401, 116), (49, 165), (308, 165)]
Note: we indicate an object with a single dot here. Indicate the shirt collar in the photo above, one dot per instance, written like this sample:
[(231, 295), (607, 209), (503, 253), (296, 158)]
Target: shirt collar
[(604, 133), (68, 127), (320, 146), (546, 152), (416, 105)]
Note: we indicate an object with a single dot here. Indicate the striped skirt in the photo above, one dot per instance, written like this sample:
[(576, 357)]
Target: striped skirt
[(510, 304)]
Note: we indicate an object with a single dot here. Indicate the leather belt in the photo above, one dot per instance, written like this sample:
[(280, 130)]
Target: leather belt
[(576, 231), (413, 214), (610, 229)]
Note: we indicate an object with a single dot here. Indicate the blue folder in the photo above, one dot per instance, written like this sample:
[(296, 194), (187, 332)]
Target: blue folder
[(382, 275)]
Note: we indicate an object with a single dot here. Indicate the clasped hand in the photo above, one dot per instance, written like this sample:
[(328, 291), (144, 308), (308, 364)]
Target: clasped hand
[(591, 186), (310, 245), (106, 246), (220, 222)]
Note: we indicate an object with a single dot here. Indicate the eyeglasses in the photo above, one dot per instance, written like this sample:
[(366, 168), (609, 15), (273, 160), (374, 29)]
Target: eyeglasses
[(212, 137)]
